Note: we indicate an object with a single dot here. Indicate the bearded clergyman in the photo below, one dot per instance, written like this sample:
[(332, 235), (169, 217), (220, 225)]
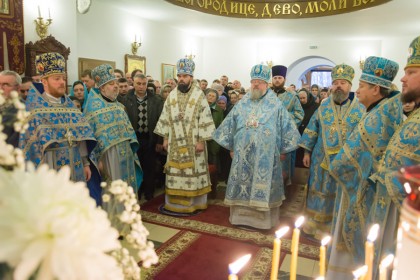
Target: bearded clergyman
[(322, 139), (185, 125), (257, 132)]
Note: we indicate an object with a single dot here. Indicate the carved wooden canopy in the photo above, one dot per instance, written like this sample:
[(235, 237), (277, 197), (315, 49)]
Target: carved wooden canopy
[(49, 44)]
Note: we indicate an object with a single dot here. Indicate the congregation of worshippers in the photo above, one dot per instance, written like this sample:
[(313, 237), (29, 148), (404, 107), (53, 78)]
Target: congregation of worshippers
[(188, 135)]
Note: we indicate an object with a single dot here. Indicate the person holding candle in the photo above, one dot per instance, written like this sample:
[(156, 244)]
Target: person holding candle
[(403, 150), (360, 156), (257, 131), (324, 136)]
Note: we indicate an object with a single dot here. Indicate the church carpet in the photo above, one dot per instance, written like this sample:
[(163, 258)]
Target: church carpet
[(192, 255), (214, 221)]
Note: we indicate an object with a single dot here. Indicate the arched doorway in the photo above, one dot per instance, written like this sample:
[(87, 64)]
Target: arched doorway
[(297, 72)]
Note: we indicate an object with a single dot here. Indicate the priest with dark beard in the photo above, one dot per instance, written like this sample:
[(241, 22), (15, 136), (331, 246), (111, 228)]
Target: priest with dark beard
[(186, 124), (292, 104)]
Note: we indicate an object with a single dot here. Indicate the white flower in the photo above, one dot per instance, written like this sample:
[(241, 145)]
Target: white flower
[(124, 213), (50, 224)]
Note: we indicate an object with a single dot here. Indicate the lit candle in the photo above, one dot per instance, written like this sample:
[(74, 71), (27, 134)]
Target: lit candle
[(236, 266), (295, 247), (39, 12), (276, 252), (360, 272), (383, 268), (49, 13), (322, 254), (135, 38), (370, 250)]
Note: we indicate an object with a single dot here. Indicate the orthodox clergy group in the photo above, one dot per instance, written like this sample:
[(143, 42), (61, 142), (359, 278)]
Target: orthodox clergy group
[(352, 144)]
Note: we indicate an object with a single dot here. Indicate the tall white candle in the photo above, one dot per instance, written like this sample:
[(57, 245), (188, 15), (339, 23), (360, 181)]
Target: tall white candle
[(276, 252), (360, 272), (370, 250), (295, 247), (383, 267), (236, 266), (322, 254)]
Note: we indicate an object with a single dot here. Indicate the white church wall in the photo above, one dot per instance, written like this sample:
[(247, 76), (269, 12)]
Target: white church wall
[(236, 57), (63, 26), (109, 37), (106, 33)]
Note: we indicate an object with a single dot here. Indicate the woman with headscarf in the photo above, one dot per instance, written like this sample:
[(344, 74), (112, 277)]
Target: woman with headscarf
[(79, 91), (307, 100)]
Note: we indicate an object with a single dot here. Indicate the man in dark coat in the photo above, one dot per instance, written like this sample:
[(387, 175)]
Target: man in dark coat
[(144, 110)]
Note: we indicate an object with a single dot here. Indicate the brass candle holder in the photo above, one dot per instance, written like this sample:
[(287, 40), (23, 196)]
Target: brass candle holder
[(135, 47), (42, 27)]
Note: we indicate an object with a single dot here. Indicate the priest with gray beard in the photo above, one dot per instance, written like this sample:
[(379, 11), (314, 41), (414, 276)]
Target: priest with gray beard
[(257, 131)]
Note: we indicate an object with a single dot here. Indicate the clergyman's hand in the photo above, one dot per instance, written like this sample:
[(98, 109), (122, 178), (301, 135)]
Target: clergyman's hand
[(87, 172), (307, 160), (165, 144), (199, 147)]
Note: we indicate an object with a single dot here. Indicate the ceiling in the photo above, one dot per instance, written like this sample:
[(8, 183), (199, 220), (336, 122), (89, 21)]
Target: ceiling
[(392, 19)]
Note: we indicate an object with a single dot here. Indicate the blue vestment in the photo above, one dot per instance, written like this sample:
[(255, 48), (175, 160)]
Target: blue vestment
[(291, 101), (57, 130), (324, 136), (257, 131), (354, 164), (112, 128), (403, 150)]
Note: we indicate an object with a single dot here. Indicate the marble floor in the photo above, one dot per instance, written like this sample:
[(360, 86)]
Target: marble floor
[(307, 269)]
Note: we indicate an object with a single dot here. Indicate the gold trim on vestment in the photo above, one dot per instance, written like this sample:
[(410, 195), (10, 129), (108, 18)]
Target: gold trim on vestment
[(186, 210), (318, 216), (188, 193), (180, 165)]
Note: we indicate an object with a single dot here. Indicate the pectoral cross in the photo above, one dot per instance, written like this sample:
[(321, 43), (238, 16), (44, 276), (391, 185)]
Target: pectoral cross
[(69, 136)]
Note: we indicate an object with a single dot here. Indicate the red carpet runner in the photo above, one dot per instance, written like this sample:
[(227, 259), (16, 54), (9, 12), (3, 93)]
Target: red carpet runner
[(190, 255), (215, 221), (207, 243)]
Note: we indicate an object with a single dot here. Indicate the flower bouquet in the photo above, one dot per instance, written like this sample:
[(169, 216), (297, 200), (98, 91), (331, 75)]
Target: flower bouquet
[(50, 228)]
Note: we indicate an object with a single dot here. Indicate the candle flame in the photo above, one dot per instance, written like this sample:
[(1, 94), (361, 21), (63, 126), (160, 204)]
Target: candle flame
[(320, 278), (373, 233), (299, 221), (360, 271), (236, 266), (281, 232), (407, 187), (387, 261), (325, 240)]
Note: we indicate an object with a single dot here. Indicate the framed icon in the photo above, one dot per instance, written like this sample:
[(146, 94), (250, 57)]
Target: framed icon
[(133, 62), (168, 72)]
